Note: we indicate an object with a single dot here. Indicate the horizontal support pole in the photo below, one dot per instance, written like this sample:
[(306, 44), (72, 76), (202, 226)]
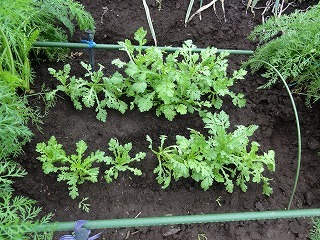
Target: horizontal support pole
[(118, 47), (184, 219)]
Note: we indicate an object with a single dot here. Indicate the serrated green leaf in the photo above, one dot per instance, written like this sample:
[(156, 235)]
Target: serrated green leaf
[(127, 47), (101, 115), (145, 103), (169, 112), (206, 183), (118, 63), (132, 69), (140, 35), (89, 98), (116, 79), (217, 103), (139, 87), (238, 100), (239, 74), (81, 147), (182, 109), (136, 171), (165, 90), (229, 185)]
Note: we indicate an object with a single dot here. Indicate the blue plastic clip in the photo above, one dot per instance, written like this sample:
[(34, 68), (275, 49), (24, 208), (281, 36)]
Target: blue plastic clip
[(90, 43)]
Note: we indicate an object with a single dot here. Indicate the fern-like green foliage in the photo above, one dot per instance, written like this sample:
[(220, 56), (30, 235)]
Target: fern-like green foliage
[(291, 44), (223, 156), (74, 169), (315, 231), (54, 17), (22, 22), (95, 90), (14, 117), (121, 159), (18, 214), (179, 82)]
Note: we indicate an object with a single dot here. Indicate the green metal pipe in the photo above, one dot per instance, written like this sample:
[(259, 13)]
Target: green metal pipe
[(186, 219), (117, 47)]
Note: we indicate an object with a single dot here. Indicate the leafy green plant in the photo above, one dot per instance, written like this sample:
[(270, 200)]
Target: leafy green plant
[(179, 82), (102, 91), (14, 118), (25, 21), (121, 159), (18, 215), (290, 44), (75, 169), (221, 157), (315, 231)]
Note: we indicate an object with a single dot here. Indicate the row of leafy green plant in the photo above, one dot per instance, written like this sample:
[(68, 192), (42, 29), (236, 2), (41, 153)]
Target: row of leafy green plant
[(222, 157), (177, 83), (22, 22), (77, 169)]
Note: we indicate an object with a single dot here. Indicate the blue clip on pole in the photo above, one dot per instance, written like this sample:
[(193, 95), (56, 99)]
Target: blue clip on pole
[(91, 45)]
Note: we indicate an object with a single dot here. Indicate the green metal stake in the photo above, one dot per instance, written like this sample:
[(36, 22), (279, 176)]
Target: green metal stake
[(117, 47), (186, 219)]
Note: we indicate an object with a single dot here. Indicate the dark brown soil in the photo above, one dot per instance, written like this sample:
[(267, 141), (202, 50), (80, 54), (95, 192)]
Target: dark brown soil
[(130, 196)]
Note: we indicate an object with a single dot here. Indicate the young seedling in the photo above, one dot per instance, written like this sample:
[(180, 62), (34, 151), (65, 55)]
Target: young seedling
[(121, 159), (83, 205), (93, 90), (74, 169)]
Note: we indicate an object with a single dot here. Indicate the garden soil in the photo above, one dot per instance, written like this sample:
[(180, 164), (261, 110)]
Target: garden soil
[(136, 197)]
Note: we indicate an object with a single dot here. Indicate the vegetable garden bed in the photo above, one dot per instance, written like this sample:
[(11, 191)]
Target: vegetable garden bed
[(131, 196)]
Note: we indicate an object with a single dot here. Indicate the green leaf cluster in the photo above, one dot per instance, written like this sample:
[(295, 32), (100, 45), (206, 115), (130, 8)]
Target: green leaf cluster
[(18, 214), (94, 90), (121, 159), (291, 44), (22, 22), (179, 82), (176, 83), (76, 169), (223, 156)]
